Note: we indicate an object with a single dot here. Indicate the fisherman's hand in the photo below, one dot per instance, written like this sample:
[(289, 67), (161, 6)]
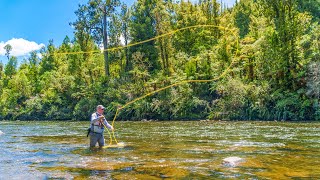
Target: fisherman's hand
[(101, 117), (112, 129)]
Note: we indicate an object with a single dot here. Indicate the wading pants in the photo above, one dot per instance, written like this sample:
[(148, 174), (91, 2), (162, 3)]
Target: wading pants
[(96, 137)]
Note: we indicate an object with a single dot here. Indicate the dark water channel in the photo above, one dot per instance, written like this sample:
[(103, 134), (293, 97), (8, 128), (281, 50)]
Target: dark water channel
[(162, 150)]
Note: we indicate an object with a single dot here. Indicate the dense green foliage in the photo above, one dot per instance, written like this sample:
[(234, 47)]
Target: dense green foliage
[(275, 71)]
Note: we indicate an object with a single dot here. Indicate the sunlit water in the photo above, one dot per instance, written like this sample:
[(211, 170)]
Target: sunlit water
[(162, 150)]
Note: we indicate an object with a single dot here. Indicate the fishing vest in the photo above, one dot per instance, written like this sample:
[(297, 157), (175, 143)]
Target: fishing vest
[(97, 128)]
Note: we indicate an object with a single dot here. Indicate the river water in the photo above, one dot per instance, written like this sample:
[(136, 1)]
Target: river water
[(162, 150)]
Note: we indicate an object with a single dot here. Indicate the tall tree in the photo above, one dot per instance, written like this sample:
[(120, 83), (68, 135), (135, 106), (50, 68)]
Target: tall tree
[(83, 30), (142, 27), (210, 9), (242, 17), (1, 69), (289, 26), (115, 37), (11, 67), (312, 6), (48, 61), (192, 41), (8, 49), (93, 19), (125, 17), (33, 73), (162, 26)]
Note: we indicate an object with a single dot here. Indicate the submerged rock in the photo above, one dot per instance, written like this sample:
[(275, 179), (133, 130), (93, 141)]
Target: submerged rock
[(232, 161)]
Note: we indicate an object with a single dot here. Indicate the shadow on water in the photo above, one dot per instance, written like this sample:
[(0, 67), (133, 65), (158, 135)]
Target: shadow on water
[(162, 150)]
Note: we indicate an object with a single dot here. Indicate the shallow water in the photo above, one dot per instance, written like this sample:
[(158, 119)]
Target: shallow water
[(162, 150)]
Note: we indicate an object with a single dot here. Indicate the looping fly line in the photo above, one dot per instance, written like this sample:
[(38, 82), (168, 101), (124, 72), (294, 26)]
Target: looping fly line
[(144, 41), (166, 87)]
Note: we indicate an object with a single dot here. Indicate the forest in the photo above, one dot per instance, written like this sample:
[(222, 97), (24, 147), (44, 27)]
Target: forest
[(263, 57)]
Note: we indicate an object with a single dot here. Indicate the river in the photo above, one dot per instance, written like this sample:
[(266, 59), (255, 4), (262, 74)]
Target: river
[(162, 150)]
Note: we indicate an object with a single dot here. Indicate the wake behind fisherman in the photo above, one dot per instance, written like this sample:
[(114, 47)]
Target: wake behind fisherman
[(98, 122)]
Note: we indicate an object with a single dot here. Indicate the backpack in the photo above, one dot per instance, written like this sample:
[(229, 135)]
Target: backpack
[(89, 130)]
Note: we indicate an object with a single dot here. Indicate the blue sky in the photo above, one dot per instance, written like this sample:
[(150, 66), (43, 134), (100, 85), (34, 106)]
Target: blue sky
[(29, 24)]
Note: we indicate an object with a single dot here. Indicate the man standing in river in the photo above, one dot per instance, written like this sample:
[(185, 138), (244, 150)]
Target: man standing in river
[(98, 122)]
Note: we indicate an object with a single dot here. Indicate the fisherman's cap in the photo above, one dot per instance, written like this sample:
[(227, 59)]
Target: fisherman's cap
[(100, 107)]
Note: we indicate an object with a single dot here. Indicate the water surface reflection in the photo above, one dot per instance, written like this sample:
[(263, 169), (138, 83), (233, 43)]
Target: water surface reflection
[(158, 150)]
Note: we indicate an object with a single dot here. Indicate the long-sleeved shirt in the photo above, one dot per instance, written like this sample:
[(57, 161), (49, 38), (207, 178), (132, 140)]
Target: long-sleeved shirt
[(96, 125)]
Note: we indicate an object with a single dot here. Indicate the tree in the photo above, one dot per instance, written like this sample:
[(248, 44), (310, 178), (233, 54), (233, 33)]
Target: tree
[(33, 73), (93, 20), (125, 17), (312, 6), (11, 67), (1, 69), (8, 49), (142, 27), (48, 61), (83, 30), (289, 24), (162, 26), (210, 9), (192, 41), (242, 18), (313, 83)]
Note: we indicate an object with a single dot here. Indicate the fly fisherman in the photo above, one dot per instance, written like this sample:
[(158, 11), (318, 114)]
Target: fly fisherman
[(98, 122)]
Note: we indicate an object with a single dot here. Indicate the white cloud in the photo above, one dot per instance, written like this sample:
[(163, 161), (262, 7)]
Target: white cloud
[(39, 55), (20, 47)]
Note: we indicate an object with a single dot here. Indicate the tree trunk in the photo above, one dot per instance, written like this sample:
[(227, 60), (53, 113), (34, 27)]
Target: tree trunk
[(166, 56), (164, 66), (127, 66), (105, 42)]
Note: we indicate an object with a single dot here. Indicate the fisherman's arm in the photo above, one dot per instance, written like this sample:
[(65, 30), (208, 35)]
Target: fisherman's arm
[(95, 118)]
